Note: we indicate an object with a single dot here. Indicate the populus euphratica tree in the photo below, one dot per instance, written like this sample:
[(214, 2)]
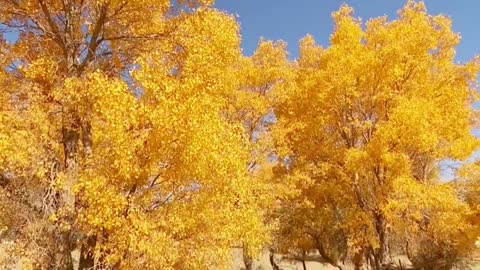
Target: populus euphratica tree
[(116, 136), (362, 130)]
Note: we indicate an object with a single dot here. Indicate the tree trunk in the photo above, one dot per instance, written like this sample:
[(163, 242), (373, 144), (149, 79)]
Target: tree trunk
[(381, 253), (63, 249), (87, 259), (272, 260), (247, 259), (303, 260), (63, 257), (328, 258), (375, 260), (359, 260)]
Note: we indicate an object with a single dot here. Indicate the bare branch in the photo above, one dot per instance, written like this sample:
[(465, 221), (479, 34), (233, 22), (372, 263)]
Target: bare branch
[(53, 26), (94, 41)]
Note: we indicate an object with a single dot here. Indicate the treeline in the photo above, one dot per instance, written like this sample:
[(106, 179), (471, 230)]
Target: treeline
[(137, 133)]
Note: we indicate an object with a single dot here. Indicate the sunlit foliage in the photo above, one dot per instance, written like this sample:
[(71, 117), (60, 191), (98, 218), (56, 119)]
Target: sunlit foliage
[(117, 136), (363, 128)]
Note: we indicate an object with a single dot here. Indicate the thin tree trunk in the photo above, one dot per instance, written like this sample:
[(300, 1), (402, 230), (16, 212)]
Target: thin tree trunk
[(87, 259), (303, 260), (272, 260), (371, 259), (247, 259)]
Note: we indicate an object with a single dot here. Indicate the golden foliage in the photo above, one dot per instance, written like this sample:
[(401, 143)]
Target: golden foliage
[(123, 136), (366, 122), (137, 133)]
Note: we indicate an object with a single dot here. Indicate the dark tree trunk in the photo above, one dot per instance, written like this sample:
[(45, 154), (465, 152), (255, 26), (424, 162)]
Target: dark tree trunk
[(87, 259), (272, 260), (303, 260), (63, 257)]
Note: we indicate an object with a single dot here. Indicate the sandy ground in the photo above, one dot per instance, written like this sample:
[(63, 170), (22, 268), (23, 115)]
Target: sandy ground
[(264, 263)]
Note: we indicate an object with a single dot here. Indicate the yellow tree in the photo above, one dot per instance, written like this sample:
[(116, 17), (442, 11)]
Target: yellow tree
[(468, 186), (116, 137), (363, 128), (261, 77)]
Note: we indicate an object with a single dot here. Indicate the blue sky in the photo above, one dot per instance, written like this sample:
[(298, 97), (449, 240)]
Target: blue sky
[(291, 20)]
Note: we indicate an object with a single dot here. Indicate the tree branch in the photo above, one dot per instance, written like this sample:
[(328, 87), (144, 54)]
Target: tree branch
[(94, 41), (53, 26)]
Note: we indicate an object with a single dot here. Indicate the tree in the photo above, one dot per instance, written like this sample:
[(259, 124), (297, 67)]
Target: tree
[(261, 77), (115, 136), (468, 186), (362, 129)]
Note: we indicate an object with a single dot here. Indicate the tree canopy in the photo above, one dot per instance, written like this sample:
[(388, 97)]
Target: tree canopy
[(137, 133)]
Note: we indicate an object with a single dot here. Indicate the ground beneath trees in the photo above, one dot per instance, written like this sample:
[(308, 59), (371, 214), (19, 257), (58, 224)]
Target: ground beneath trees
[(264, 263)]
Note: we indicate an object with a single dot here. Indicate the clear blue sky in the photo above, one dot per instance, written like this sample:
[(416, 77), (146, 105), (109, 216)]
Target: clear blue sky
[(291, 20)]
